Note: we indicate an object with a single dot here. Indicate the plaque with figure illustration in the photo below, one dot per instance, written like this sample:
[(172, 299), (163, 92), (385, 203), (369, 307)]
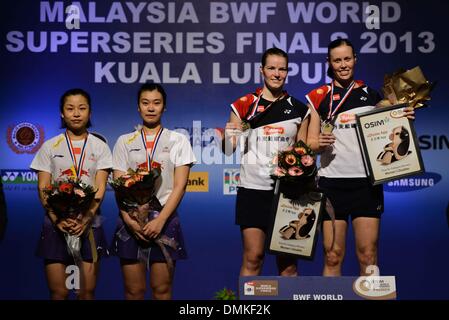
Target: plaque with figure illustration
[(389, 144), (295, 223)]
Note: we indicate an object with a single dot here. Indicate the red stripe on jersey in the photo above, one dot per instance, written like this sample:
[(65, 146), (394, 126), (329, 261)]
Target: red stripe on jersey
[(243, 104), (316, 96)]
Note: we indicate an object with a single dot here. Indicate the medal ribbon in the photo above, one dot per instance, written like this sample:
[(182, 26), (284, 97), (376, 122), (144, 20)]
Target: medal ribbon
[(256, 104), (331, 113), (79, 168), (150, 154)]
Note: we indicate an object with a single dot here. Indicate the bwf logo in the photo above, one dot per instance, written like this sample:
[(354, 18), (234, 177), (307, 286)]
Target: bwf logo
[(231, 178)]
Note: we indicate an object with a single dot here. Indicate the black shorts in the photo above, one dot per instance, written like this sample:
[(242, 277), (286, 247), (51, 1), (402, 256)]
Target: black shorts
[(253, 208), (353, 196)]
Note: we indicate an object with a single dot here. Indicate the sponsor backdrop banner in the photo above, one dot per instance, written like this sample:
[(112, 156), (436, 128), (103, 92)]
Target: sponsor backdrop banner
[(207, 54), (317, 288)]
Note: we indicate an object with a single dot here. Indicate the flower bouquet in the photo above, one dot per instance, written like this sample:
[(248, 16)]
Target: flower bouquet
[(135, 194), (70, 198), (296, 169)]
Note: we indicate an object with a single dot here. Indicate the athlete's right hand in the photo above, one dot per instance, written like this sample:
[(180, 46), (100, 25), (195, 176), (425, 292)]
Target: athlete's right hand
[(64, 226), (326, 139), (133, 225), (233, 129), (137, 230)]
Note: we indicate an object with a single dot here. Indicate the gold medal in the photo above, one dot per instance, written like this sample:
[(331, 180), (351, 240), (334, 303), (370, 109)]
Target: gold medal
[(326, 127), (245, 125)]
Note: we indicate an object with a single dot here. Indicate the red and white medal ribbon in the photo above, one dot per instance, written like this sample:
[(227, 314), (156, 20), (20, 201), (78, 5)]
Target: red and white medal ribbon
[(332, 113), (254, 111), (150, 146), (78, 169)]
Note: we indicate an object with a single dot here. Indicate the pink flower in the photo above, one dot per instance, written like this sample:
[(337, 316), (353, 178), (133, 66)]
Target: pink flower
[(80, 193), (288, 149), (307, 160), (129, 182), (295, 171), (290, 159), (300, 150), (141, 172), (275, 160), (279, 172)]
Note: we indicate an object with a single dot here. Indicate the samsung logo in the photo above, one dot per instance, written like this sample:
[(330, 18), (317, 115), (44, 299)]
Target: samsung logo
[(426, 180)]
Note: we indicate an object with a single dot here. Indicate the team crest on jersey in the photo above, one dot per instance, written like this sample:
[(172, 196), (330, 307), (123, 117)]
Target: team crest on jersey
[(25, 137), (320, 91), (336, 97), (243, 99)]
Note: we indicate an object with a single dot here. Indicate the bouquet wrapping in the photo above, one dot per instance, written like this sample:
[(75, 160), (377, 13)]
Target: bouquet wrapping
[(135, 194), (406, 86), (71, 199)]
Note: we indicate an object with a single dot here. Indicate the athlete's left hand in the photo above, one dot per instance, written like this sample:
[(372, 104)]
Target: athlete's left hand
[(409, 112), (153, 228), (79, 226)]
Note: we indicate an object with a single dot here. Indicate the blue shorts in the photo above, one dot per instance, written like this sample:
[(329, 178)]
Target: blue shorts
[(129, 249), (52, 245)]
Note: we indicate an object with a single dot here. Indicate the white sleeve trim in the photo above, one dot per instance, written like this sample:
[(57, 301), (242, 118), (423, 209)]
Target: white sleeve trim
[(310, 101), (235, 111)]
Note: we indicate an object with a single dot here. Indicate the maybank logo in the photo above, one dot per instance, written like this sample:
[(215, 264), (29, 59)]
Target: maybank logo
[(17, 176), (198, 182), (426, 180)]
